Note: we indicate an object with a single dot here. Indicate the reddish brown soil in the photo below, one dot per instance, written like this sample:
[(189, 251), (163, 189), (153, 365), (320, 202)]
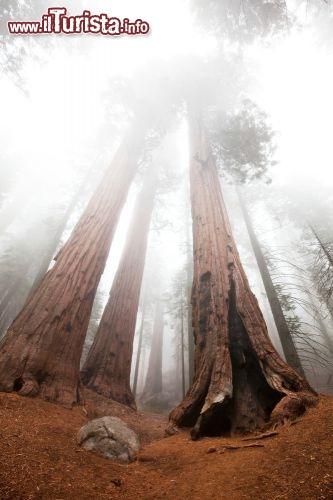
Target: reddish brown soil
[(41, 460)]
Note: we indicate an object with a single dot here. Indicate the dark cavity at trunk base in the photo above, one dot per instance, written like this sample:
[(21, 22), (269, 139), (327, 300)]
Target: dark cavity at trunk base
[(252, 401)]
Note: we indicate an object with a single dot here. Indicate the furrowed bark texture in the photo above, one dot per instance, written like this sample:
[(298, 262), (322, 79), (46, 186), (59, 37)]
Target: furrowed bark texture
[(107, 368), (40, 355), (287, 343), (240, 381)]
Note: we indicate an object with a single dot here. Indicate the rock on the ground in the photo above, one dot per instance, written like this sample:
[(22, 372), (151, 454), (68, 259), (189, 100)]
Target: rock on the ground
[(111, 438)]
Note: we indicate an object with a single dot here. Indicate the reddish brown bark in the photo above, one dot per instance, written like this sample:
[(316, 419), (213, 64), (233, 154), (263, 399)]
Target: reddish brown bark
[(40, 355), (107, 368), (240, 380)]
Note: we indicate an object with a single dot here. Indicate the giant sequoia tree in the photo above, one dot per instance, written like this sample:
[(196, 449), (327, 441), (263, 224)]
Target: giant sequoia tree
[(107, 368), (41, 352), (240, 381)]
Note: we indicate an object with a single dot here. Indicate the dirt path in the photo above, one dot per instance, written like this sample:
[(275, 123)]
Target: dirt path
[(41, 460)]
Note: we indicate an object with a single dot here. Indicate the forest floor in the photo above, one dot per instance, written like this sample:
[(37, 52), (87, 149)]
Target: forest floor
[(40, 458)]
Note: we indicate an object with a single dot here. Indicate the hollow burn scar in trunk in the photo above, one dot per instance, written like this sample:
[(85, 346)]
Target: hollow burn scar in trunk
[(253, 399)]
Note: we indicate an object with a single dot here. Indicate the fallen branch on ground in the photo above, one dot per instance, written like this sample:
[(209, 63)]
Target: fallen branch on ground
[(261, 436)]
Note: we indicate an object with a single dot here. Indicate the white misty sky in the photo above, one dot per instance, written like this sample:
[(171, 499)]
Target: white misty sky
[(294, 85)]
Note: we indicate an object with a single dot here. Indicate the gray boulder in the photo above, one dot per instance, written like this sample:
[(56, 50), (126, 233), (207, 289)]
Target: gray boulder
[(111, 438)]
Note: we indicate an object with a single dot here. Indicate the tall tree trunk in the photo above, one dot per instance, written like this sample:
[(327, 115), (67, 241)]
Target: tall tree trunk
[(138, 355), (107, 368), (142, 378), (287, 343), (154, 384), (240, 380), (41, 352), (177, 374)]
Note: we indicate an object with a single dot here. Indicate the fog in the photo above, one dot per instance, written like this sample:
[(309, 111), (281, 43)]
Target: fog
[(67, 102)]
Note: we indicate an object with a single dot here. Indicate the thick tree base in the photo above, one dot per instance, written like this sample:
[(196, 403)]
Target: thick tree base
[(258, 400), (48, 389), (215, 422), (264, 392)]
